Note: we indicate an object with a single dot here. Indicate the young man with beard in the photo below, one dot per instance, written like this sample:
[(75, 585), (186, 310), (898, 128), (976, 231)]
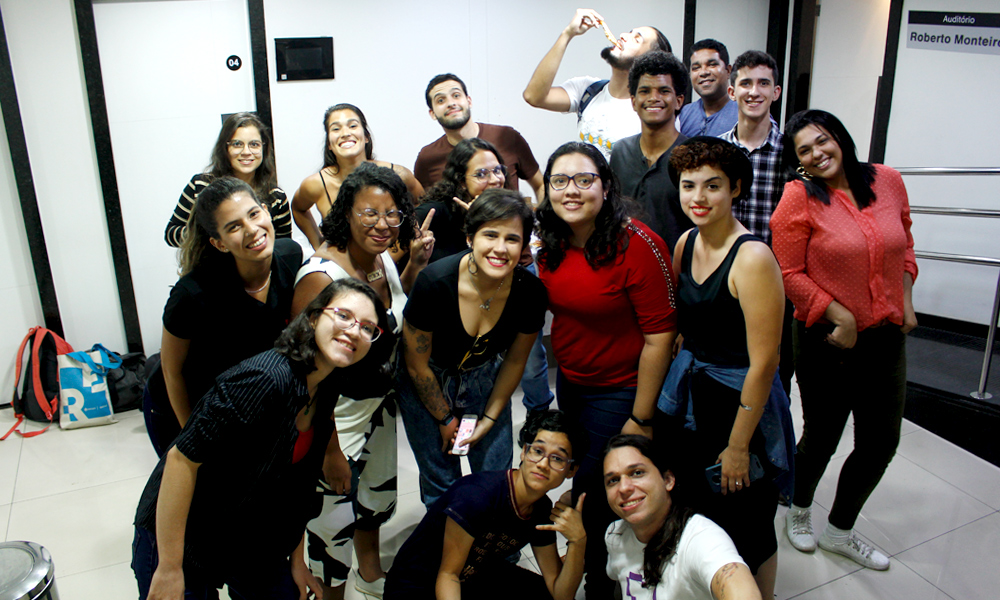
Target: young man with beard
[(714, 113), (604, 113), (460, 547), (657, 84), (450, 105)]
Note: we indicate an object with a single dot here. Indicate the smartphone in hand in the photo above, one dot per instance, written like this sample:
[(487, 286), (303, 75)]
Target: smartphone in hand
[(465, 429)]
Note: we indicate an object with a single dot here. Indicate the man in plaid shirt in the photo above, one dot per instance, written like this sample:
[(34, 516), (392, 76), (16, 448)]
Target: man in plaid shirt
[(754, 86)]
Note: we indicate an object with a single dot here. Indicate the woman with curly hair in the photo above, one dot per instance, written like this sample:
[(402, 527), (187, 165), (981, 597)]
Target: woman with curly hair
[(348, 145), (611, 293), (228, 504), (372, 213), (242, 150)]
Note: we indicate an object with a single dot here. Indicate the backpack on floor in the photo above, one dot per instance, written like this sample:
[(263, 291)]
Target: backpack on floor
[(127, 382), (39, 397)]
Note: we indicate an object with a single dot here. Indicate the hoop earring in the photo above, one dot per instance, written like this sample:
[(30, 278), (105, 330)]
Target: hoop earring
[(803, 173), (472, 262)]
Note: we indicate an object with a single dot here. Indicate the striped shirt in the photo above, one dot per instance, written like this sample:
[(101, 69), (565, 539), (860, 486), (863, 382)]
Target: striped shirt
[(754, 212), (276, 201)]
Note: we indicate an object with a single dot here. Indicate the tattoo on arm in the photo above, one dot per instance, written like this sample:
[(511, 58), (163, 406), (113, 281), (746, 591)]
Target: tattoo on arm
[(722, 577), (423, 344), (430, 394)]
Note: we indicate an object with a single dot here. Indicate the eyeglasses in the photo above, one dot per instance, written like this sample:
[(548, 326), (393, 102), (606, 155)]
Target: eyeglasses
[(557, 462), (481, 174), (370, 217), (256, 146), (583, 181), (345, 319)]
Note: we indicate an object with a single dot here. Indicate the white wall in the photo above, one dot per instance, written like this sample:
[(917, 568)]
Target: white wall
[(741, 26), (386, 52), (944, 112), (166, 85), (48, 73)]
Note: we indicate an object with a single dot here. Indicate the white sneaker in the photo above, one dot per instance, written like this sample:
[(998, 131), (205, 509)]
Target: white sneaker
[(857, 550), (799, 529), (369, 588)]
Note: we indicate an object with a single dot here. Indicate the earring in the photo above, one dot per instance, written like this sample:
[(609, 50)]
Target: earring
[(472, 263), (803, 173)]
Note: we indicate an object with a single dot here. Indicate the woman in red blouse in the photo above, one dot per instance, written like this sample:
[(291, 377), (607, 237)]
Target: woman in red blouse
[(611, 292), (842, 237)]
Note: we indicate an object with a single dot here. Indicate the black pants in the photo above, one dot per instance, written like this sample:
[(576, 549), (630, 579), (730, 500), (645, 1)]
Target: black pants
[(496, 579), (868, 380)]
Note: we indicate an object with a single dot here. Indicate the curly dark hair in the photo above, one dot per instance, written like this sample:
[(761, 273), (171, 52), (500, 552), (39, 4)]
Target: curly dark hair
[(498, 204), (336, 225), (329, 158), (555, 421), (452, 183), (298, 340), (659, 63), (696, 152), (609, 237), (265, 178), (663, 545), (860, 176)]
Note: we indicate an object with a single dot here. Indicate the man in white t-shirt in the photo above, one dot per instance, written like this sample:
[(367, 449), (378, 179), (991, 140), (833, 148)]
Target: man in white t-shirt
[(696, 560), (603, 108)]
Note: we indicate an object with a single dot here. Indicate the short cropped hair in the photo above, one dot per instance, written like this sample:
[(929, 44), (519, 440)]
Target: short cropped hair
[(696, 152), (555, 421), (659, 63), (755, 58), (710, 44), (438, 79)]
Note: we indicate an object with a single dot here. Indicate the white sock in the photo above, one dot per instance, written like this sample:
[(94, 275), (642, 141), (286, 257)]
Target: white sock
[(797, 510), (837, 535)]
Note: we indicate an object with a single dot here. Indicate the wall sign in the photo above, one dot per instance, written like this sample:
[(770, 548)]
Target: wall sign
[(973, 33), (234, 63)]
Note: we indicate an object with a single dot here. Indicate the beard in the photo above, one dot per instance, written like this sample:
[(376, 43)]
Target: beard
[(616, 62), (457, 122)]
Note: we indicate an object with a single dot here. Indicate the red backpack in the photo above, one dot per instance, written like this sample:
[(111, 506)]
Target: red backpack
[(39, 397)]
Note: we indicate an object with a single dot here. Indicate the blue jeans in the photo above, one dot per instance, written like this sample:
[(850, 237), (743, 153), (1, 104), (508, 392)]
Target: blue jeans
[(535, 380), (467, 392), (274, 582)]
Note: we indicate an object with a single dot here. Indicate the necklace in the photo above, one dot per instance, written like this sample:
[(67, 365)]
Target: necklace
[(373, 276), (261, 288), (486, 303)]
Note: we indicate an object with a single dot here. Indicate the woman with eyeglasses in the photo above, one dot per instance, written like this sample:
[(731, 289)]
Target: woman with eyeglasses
[(228, 504), (232, 301), (348, 145), (372, 213), (473, 166), (611, 293), (469, 325), (242, 150)]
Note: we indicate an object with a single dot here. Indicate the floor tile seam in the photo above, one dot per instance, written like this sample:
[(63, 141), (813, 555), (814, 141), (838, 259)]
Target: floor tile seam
[(929, 582), (945, 533), (958, 448), (78, 489), (935, 475), (75, 573), (816, 587)]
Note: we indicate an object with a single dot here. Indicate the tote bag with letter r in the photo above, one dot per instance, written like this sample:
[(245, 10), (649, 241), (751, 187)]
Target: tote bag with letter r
[(83, 387)]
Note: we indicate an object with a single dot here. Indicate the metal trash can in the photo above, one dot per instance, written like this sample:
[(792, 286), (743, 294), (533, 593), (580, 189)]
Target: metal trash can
[(26, 572)]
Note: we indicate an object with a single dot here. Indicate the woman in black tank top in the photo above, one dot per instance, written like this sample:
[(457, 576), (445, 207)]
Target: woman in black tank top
[(730, 305)]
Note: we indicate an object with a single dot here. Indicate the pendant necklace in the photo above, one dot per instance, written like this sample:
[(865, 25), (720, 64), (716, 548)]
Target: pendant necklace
[(261, 288), (486, 303), (373, 276)]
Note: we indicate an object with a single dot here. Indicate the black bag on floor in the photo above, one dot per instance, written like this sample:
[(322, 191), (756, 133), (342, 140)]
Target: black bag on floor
[(126, 382)]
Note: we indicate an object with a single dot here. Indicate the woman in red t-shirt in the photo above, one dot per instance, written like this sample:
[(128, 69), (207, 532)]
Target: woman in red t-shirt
[(611, 292), (842, 237)]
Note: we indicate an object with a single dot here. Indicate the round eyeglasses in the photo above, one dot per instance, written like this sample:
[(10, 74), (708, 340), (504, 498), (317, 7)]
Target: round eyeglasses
[(369, 217), (255, 146), (500, 171), (345, 319), (583, 181), (557, 462)]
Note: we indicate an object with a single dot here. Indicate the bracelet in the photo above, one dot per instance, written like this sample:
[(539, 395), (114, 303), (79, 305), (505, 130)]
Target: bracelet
[(447, 419), (746, 407), (642, 422), (486, 416)]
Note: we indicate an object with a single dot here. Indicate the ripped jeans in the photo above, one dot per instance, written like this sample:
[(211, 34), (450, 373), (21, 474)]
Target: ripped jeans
[(467, 392)]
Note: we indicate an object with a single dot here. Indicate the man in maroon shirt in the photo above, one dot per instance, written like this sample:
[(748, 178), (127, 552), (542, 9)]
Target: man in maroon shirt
[(450, 105)]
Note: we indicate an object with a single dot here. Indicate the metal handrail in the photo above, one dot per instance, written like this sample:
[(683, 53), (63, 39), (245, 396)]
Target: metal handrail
[(956, 212), (948, 170), (981, 393)]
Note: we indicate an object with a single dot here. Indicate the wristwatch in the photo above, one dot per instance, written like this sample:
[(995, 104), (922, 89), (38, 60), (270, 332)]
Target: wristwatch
[(642, 422), (448, 418)]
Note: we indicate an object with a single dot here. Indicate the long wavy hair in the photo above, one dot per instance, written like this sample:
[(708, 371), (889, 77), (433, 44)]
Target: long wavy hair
[(329, 158), (608, 239), (860, 176), (663, 545), (298, 340), (202, 227), (336, 225), (452, 183), (265, 178)]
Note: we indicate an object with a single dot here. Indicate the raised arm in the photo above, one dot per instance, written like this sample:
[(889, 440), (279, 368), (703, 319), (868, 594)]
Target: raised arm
[(420, 253), (757, 281), (734, 581), (172, 506), (454, 554), (173, 353), (563, 579), (281, 215), (540, 93), (417, 353), (304, 199), (174, 234)]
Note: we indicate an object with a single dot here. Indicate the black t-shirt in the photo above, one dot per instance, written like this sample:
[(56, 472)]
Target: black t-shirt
[(433, 306), (225, 324), (448, 226), (250, 503), (483, 505)]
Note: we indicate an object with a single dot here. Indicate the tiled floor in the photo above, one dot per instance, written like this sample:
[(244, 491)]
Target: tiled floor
[(936, 513)]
